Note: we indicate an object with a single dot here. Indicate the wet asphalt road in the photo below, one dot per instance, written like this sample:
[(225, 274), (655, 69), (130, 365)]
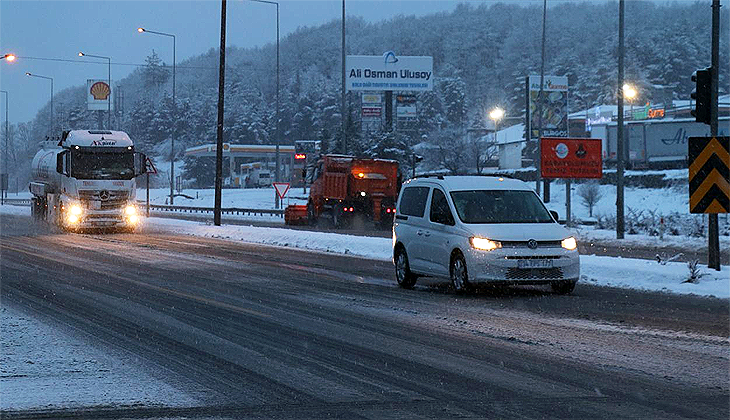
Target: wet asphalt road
[(268, 332)]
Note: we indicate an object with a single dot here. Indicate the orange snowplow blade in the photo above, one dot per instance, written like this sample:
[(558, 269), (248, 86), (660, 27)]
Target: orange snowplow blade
[(295, 215)]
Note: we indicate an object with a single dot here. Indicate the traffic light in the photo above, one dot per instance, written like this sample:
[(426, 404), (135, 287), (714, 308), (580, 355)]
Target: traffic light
[(701, 94)]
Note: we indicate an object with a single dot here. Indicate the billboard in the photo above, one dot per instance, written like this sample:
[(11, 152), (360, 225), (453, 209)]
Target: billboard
[(99, 95), (571, 158), (554, 106), (406, 106), (389, 72)]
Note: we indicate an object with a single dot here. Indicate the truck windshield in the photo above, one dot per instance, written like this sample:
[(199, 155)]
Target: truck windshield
[(500, 206), (102, 165)]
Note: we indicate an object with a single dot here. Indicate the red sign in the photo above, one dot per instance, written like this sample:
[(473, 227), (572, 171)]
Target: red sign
[(281, 188), (570, 158), (370, 111)]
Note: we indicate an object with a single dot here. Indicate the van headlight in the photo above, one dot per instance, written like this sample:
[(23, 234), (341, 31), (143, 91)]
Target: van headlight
[(130, 210), (484, 244), (569, 243)]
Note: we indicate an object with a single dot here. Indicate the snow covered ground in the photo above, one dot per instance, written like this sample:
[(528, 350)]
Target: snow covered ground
[(63, 369), (598, 270)]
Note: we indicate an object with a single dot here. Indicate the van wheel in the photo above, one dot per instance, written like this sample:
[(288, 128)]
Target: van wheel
[(563, 287), (403, 274), (459, 275)]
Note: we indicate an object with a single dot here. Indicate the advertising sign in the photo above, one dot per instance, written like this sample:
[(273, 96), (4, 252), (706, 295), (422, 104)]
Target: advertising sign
[(554, 106), (571, 158), (389, 72), (372, 98), (98, 95)]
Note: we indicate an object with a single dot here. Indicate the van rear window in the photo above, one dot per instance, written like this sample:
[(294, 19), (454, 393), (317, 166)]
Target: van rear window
[(413, 201)]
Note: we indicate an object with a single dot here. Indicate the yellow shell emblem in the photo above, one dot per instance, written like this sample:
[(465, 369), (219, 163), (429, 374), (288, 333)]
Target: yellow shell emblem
[(100, 91)]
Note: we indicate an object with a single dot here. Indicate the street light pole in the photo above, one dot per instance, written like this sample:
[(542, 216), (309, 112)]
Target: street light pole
[(620, 128), (174, 104), (109, 80), (6, 132), (277, 175), (50, 128)]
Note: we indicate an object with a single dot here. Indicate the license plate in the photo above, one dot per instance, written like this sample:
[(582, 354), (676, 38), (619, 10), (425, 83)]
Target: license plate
[(534, 263)]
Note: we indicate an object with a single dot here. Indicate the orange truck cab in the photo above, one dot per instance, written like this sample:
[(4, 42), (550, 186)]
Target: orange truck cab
[(344, 188)]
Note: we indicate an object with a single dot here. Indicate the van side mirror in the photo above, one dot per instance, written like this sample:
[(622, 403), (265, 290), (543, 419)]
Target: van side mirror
[(140, 163), (555, 215)]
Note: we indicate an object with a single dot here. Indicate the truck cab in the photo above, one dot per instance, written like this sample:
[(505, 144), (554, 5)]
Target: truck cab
[(87, 180)]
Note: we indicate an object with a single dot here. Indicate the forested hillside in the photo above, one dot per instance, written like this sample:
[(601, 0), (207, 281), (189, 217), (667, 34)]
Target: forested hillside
[(481, 55)]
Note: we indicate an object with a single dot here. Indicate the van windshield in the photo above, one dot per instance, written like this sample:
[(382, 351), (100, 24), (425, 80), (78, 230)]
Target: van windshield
[(500, 206)]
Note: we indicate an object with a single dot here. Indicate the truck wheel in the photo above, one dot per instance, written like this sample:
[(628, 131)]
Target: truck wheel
[(338, 217), (311, 215)]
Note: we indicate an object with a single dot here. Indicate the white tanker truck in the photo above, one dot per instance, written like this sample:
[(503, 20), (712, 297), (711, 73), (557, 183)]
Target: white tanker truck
[(87, 181)]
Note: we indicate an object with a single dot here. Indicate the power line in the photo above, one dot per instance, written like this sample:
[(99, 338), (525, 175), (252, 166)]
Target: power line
[(113, 63)]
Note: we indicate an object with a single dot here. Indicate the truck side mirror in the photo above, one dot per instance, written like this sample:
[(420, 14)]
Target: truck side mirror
[(62, 163), (140, 164)]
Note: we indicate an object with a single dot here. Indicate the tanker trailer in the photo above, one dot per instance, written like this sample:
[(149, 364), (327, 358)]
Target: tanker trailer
[(87, 181)]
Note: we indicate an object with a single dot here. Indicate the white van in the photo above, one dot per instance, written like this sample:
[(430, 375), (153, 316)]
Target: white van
[(475, 229)]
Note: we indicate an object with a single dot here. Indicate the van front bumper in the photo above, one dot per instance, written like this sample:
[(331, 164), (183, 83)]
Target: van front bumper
[(523, 266)]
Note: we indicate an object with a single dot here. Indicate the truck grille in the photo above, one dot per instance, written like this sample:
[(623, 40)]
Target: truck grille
[(116, 200), (534, 273)]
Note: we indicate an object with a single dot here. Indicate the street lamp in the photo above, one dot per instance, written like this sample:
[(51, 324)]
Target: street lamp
[(174, 104), (496, 114), (630, 93), (9, 57), (109, 99), (277, 175), (51, 79)]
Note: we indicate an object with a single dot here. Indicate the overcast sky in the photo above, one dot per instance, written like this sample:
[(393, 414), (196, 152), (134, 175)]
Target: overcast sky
[(36, 30)]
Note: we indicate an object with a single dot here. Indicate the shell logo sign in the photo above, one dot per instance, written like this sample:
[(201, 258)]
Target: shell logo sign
[(100, 91), (98, 95)]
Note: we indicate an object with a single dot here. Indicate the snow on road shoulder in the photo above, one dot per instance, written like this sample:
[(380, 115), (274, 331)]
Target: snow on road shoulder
[(43, 367), (597, 270)]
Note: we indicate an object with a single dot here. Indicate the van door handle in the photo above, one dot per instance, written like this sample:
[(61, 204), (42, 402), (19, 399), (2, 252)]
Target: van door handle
[(428, 233), (419, 233)]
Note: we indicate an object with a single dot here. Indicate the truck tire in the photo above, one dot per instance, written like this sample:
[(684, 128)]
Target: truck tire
[(338, 217), (311, 214)]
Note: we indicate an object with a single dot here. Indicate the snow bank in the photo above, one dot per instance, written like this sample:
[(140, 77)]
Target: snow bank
[(597, 270)]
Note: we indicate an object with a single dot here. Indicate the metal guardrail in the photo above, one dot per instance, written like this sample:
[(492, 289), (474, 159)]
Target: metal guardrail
[(17, 201), (225, 210), (179, 209)]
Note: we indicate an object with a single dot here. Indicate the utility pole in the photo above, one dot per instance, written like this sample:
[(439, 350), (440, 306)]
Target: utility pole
[(538, 163), (620, 128), (219, 137), (344, 106), (713, 231)]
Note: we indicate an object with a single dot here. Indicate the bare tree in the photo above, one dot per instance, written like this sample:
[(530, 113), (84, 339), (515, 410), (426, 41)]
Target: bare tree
[(590, 194)]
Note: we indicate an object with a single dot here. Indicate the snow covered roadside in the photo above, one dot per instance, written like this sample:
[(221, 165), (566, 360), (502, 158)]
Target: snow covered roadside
[(44, 367), (597, 270)]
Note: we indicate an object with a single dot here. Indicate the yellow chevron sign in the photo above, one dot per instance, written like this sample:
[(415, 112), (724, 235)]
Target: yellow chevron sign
[(709, 170)]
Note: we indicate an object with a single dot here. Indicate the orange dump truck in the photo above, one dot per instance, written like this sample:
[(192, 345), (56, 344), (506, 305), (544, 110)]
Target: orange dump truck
[(344, 188)]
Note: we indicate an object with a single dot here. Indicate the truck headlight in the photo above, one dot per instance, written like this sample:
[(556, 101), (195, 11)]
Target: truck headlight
[(133, 219), (75, 210), (569, 243), (130, 210), (72, 219), (484, 244)]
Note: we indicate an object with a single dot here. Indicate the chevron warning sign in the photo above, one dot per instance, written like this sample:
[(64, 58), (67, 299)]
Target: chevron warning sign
[(709, 180)]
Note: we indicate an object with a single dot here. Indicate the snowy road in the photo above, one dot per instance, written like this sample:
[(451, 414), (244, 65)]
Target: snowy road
[(266, 332)]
